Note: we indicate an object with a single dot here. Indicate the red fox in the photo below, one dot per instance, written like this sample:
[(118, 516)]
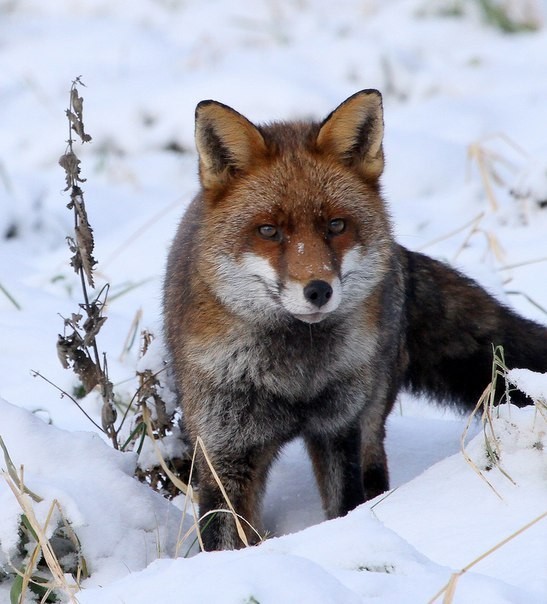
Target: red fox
[(290, 310)]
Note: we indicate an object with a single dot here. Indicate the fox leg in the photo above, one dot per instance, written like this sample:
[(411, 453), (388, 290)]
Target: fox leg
[(375, 473), (374, 460), (337, 466), (243, 476)]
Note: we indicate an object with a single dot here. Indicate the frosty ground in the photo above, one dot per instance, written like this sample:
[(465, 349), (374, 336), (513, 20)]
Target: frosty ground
[(465, 109)]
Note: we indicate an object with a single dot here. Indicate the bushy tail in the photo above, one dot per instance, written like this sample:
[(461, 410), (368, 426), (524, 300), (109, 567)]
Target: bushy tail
[(453, 327)]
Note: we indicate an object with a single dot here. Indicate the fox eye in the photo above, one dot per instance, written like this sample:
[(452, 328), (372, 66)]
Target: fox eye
[(337, 226), (268, 231)]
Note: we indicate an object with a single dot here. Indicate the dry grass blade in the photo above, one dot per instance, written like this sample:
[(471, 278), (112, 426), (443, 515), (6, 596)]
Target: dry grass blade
[(473, 223), (487, 403), (193, 499), (450, 587), (131, 334), (493, 243), (509, 267), (477, 153), (237, 518), (12, 472), (528, 299), (141, 230), (484, 397), (489, 162), (59, 579), (10, 297)]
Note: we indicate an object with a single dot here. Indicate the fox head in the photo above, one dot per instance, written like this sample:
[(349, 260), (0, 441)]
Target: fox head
[(293, 221)]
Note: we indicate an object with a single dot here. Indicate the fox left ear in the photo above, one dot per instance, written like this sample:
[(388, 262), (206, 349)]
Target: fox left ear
[(226, 141), (354, 132)]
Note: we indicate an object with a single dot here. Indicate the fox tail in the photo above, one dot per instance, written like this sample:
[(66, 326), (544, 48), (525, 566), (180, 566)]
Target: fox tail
[(453, 327)]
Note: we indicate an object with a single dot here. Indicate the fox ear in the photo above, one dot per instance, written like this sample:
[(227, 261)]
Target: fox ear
[(226, 142), (354, 132)]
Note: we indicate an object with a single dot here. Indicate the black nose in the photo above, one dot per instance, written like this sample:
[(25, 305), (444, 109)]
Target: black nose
[(318, 292)]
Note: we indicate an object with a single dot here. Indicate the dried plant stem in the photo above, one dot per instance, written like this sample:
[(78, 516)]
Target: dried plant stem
[(12, 473), (528, 298), (450, 588), (64, 393), (79, 348), (509, 267), (487, 403), (488, 162), (474, 222), (10, 297), (237, 518)]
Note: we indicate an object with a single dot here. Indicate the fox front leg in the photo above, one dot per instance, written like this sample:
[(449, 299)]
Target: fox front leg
[(336, 462), (243, 477)]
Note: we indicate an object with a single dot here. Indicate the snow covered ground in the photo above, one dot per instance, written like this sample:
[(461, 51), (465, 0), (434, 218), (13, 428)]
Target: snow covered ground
[(466, 179)]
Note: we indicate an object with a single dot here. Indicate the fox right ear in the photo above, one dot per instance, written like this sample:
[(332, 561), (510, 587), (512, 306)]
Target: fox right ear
[(354, 131), (226, 142)]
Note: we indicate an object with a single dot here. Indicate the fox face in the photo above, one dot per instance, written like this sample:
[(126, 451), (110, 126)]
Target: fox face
[(305, 233)]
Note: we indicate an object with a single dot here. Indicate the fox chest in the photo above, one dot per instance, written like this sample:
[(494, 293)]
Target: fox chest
[(285, 374)]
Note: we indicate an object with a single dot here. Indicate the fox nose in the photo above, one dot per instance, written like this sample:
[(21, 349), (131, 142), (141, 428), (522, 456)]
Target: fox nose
[(318, 292)]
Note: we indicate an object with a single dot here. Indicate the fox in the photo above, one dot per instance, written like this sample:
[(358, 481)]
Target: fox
[(290, 310)]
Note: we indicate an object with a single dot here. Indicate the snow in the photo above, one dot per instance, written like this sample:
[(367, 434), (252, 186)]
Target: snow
[(534, 384), (464, 109)]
